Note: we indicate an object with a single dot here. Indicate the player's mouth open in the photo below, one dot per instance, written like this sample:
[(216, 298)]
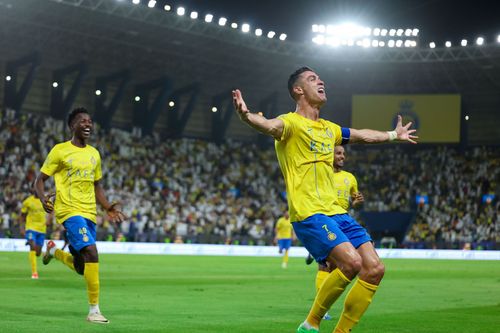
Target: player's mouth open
[(321, 90)]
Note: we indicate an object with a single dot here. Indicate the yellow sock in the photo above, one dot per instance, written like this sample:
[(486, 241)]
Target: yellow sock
[(32, 257), (285, 257), (91, 275), (320, 278), (65, 257), (355, 305), (331, 289)]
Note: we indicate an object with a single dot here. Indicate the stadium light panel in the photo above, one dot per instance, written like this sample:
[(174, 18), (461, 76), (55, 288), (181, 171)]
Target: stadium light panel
[(366, 42), (222, 21), (392, 32), (408, 32), (181, 11), (214, 109), (321, 28), (383, 32), (399, 32), (282, 36), (413, 43), (234, 25), (55, 84), (463, 42), (136, 2), (258, 32), (359, 43), (467, 117), (152, 3), (381, 43), (374, 43), (320, 39), (480, 41), (399, 43), (415, 32), (137, 98), (376, 32), (98, 92), (209, 18), (432, 45), (194, 15), (498, 38), (167, 8), (407, 43), (447, 44), (391, 43), (350, 42), (271, 34), (245, 27), (171, 104), (315, 28), (8, 78)]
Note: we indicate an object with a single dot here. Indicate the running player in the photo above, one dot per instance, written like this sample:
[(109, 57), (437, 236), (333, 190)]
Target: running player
[(76, 168), (304, 146), (34, 221), (284, 237)]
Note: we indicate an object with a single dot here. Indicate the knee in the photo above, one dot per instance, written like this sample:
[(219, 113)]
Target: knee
[(89, 254), (352, 267), (80, 269), (378, 270), (374, 273)]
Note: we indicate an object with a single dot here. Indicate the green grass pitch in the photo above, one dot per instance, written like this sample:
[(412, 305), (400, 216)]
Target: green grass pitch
[(141, 293)]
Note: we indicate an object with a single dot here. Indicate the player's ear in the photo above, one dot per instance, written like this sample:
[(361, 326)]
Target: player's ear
[(298, 90)]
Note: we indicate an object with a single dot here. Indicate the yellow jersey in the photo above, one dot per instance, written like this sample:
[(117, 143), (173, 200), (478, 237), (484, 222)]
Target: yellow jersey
[(75, 170), (36, 217), (305, 155), (283, 228), (345, 186)]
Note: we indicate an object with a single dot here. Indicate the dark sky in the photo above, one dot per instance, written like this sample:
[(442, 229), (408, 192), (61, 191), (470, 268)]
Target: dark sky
[(438, 20)]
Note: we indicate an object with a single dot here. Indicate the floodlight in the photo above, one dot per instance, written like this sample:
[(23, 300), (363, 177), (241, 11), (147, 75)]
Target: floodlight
[(282, 36), (408, 32), (399, 32), (151, 3), (381, 43), (245, 27), (171, 104), (8, 78), (167, 8), (447, 44), (98, 92), (315, 28), (194, 15), (55, 84), (399, 43), (234, 25), (480, 41), (181, 11), (222, 21), (214, 109), (258, 32), (383, 32), (432, 45), (271, 34), (209, 18), (391, 43), (392, 32), (374, 43), (463, 42), (136, 2), (376, 32), (137, 98), (415, 32)]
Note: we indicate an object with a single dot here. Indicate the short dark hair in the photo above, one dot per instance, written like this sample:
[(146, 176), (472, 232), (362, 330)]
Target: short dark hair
[(72, 115), (294, 77)]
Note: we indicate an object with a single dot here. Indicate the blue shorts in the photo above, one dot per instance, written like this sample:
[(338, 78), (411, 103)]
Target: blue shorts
[(284, 243), (35, 236), (321, 233), (80, 232)]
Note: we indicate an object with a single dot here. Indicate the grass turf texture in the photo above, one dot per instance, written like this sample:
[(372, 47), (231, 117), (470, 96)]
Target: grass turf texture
[(142, 293)]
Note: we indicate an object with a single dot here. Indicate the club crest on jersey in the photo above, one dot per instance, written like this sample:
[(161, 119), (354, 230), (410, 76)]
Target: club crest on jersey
[(331, 236), (92, 160)]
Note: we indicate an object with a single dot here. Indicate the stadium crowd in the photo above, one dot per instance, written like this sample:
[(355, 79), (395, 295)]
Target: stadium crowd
[(188, 190)]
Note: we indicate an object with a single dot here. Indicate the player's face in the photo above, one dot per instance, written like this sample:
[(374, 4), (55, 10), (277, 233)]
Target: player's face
[(82, 126), (313, 88), (339, 157)]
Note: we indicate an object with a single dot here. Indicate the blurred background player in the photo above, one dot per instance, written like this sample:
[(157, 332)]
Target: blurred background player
[(34, 222), (346, 187), (76, 168), (284, 236)]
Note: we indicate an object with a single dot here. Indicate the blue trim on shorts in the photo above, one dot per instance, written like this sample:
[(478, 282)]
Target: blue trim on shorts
[(37, 237), (320, 233), (81, 232), (284, 243)]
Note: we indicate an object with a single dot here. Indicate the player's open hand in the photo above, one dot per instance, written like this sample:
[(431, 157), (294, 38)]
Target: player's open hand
[(357, 199), (240, 105), (115, 215), (404, 132)]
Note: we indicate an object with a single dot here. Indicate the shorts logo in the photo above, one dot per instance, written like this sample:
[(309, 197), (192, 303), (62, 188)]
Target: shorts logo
[(83, 232), (331, 236)]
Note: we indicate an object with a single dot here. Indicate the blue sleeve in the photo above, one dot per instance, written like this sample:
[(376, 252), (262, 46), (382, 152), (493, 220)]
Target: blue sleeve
[(346, 135)]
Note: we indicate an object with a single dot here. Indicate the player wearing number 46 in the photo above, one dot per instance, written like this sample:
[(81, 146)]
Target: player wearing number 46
[(76, 168), (304, 146)]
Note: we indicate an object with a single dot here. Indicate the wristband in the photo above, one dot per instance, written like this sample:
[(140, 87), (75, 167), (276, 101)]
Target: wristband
[(392, 135)]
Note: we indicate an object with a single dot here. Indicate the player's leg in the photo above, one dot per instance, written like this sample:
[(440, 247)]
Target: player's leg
[(30, 237), (91, 273), (287, 243), (321, 275), (325, 241), (361, 294)]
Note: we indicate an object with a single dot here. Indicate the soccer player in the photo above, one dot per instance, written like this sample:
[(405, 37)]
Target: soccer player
[(76, 168), (346, 187), (284, 235), (304, 146), (34, 221)]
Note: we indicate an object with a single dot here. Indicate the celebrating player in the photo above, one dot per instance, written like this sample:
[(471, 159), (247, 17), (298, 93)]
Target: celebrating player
[(304, 146), (76, 168)]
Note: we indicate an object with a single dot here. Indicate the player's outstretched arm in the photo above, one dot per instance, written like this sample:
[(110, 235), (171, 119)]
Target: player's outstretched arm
[(400, 133), (115, 215), (40, 192), (273, 127)]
